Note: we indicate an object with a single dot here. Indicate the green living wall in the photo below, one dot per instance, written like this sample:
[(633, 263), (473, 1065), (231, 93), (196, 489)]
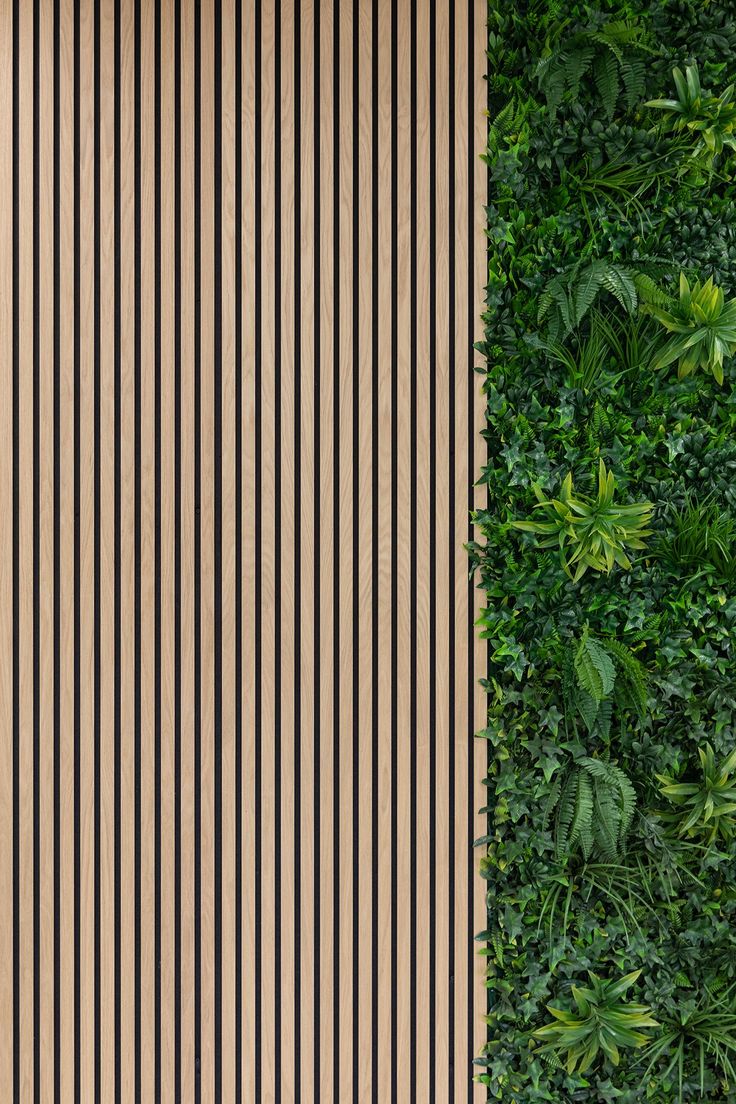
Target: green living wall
[(607, 553)]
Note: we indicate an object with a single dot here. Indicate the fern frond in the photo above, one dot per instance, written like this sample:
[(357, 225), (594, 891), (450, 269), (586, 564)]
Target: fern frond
[(606, 78), (581, 830), (633, 76), (577, 62), (587, 290), (594, 668), (621, 284)]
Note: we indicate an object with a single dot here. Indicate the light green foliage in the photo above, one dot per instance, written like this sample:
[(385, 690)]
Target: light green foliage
[(590, 532), (704, 327), (600, 1025), (709, 119), (705, 807)]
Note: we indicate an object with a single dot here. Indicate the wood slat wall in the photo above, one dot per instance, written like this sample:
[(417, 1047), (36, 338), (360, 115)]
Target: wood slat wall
[(241, 271)]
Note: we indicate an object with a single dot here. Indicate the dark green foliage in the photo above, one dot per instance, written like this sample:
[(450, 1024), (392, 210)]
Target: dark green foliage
[(612, 699), (593, 805)]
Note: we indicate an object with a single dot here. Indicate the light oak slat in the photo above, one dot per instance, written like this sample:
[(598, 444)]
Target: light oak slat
[(405, 856), (66, 550), (168, 421), (247, 414), (382, 307), (188, 519), (348, 997), (363, 460), (284, 507), (6, 542), (266, 922), (306, 736), (423, 598), (107, 555), (324, 307), (86, 526), (439, 678), (206, 516), (148, 964), (127, 551), (45, 659), (229, 415)]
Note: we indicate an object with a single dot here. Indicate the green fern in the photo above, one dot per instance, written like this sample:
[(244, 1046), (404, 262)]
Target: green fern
[(594, 806), (600, 427), (507, 124), (613, 57), (567, 297), (598, 674)]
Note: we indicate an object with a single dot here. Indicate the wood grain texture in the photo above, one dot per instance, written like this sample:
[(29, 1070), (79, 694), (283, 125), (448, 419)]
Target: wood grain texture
[(241, 271)]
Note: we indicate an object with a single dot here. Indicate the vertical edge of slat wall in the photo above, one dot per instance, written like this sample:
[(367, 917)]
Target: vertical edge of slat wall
[(7, 538), (476, 297)]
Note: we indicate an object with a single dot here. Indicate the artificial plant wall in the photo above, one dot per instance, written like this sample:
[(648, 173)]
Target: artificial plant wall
[(608, 552)]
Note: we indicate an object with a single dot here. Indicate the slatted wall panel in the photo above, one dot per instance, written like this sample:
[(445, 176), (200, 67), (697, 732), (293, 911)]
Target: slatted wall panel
[(241, 271)]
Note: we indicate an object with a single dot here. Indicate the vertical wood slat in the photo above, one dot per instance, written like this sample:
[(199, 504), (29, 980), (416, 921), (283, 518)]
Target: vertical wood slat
[(275, 624), (7, 538)]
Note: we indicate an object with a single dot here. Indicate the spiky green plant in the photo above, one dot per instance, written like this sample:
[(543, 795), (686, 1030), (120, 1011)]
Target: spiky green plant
[(590, 532), (703, 1031), (710, 119), (705, 807), (703, 323), (600, 1023)]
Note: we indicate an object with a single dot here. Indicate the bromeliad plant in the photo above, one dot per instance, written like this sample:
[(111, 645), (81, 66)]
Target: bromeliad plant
[(704, 808), (703, 323), (600, 1023), (589, 532), (711, 119)]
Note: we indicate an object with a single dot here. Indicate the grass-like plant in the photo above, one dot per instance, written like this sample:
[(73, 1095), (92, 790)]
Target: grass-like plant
[(710, 119), (600, 1023), (703, 325), (702, 1033), (590, 532), (700, 537), (706, 807)]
